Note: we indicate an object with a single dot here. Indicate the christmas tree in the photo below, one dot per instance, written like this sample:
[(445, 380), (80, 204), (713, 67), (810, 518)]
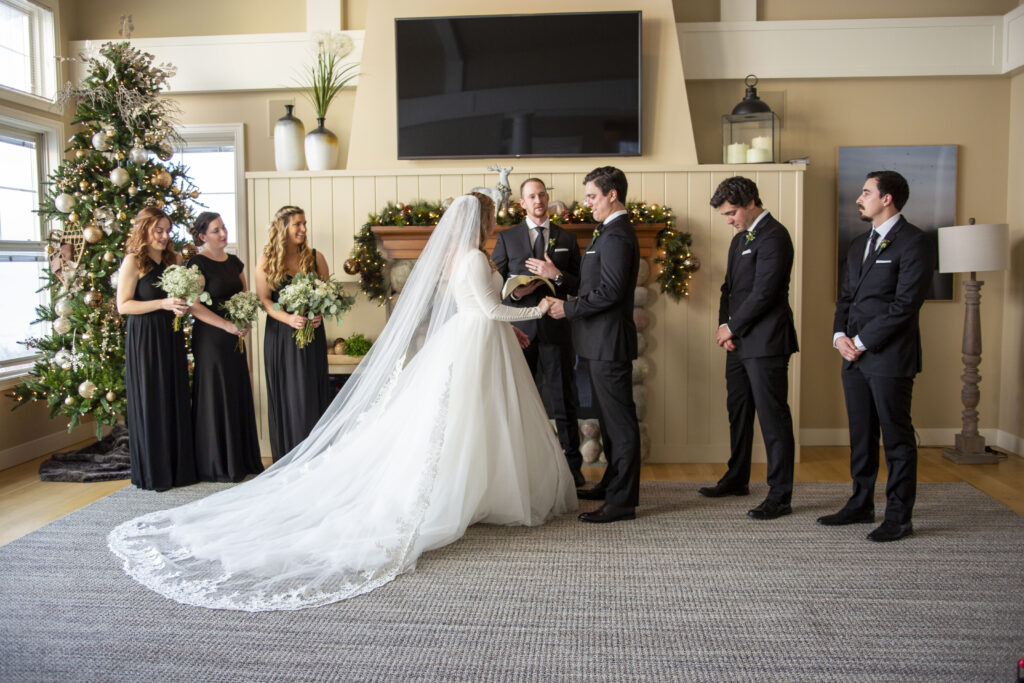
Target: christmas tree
[(114, 167)]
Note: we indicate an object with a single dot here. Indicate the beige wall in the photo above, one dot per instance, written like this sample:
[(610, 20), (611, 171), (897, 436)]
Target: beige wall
[(819, 116), (1011, 366), (98, 19)]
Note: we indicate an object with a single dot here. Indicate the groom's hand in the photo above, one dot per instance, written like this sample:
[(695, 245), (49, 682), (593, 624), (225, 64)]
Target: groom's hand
[(557, 310), (521, 337)]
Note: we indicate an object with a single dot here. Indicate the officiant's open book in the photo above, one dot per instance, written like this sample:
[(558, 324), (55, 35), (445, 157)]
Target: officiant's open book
[(520, 280)]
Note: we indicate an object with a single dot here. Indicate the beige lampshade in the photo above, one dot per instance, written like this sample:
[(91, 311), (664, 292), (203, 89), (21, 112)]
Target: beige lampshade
[(973, 248)]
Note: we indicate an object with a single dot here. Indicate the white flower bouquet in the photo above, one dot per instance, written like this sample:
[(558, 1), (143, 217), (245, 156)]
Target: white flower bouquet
[(242, 310), (186, 283), (309, 296)]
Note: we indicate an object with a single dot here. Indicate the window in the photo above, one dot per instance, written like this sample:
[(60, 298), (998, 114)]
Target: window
[(28, 150), (215, 161), (27, 49)]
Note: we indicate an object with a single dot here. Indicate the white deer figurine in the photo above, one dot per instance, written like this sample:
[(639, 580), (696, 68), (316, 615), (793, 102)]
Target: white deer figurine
[(501, 192)]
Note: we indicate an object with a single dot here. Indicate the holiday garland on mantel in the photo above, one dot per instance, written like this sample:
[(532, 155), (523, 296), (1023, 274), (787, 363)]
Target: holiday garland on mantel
[(676, 261), (113, 169)]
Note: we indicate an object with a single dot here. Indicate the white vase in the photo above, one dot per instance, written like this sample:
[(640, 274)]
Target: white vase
[(321, 148), (288, 142)]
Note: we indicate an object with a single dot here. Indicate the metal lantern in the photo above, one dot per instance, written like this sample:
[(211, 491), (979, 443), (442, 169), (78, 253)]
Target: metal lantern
[(750, 134)]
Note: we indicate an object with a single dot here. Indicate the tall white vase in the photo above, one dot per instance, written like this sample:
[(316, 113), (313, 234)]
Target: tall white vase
[(321, 148), (289, 134)]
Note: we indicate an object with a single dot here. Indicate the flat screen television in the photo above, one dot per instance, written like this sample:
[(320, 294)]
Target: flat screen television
[(565, 84)]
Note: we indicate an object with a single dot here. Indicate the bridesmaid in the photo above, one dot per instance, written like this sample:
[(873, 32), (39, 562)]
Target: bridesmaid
[(297, 384), (156, 368), (223, 417)]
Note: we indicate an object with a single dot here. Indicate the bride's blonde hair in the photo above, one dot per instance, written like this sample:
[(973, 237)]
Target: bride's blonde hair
[(487, 216), (277, 247)]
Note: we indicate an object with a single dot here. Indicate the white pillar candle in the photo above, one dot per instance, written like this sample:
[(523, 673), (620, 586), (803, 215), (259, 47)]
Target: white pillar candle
[(758, 155), (761, 142), (736, 153)]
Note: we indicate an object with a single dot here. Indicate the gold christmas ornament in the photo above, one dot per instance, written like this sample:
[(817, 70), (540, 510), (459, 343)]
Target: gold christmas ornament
[(69, 401), (109, 256), (119, 155), (84, 185), (691, 264), (87, 337), (62, 325), (93, 298), (121, 215), (351, 266), (111, 396), (86, 389), (92, 234), (189, 250), (132, 190), (162, 179), (72, 217), (80, 153)]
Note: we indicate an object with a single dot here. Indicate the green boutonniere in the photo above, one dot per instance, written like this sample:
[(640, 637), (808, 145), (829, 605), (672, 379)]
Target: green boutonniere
[(751, 236), (597, 233), (883, 244), (551, 243)]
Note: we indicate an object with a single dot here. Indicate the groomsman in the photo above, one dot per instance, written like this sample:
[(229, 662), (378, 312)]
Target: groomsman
[(538, 247), (888, 271), (755, 327), (604, 333)]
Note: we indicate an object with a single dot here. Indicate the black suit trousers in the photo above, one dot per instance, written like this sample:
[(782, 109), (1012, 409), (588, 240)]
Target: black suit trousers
[(873, 404), (760, 385), (612, 384), (558, 378)]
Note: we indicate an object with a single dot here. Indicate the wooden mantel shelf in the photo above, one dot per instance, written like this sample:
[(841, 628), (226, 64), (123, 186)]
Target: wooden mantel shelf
[(407, 241)]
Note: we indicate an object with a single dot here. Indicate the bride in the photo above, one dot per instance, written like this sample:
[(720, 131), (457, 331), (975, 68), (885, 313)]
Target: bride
[(440, 427)]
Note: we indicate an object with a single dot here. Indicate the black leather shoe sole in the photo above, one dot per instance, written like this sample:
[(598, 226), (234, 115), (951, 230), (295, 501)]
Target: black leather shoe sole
[(718, 491), (890, 531), (844, 517), (769, 511), (593, 493), (603, 515)]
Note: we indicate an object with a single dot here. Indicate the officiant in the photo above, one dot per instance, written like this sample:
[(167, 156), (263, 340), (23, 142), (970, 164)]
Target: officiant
[(538, 247)]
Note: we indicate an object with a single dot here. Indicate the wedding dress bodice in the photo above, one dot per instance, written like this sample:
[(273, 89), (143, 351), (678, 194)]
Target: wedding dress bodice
[(478, 290)]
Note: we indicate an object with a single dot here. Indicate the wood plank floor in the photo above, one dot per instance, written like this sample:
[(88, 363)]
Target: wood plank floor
[(27, 503)]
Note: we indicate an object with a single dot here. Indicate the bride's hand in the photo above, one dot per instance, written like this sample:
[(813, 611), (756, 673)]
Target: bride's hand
[(521, 337), (544, 305)]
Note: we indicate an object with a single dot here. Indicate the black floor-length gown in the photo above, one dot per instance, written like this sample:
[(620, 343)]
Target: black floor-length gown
[(156, 389), (223, 416), (297, 382)]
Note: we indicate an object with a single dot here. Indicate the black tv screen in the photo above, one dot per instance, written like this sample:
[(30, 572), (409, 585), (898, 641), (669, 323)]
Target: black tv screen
[(519, 85)]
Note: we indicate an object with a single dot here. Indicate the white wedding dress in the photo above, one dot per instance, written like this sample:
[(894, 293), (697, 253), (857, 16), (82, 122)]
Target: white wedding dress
[(445, 431)]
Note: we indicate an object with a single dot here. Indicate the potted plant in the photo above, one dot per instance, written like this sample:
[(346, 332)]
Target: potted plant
[(325, 79)]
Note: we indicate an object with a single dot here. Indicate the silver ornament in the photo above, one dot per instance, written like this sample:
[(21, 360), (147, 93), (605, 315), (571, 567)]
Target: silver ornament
[(69, 401), (119, 176), (64, 308), (101, 141), (86, 389), (64, 202), (62, 325), (138, 156), (62, 359)]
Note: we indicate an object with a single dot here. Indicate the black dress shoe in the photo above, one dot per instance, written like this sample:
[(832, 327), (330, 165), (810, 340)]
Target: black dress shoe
[(846, 516), (770, 509), (593, 493), (578, 478), (891, 531), (608, 513), (719, 490)]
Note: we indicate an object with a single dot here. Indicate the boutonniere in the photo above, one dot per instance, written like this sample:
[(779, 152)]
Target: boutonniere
[(551, 243), (751, 236), (597, 233), (883, 244)]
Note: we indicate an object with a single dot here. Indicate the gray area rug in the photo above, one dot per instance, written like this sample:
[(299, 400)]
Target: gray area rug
[(691, 591)]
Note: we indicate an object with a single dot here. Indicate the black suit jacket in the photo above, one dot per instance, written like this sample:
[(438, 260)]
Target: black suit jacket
[(602, 316), (881, 300), (755, 294), (511, 249)]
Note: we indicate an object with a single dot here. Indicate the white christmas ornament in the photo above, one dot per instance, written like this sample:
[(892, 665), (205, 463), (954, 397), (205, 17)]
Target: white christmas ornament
[(119, 176), (138, 155), (64, 308), (86, 389), (101, 141), (62, 325), (64, 202)]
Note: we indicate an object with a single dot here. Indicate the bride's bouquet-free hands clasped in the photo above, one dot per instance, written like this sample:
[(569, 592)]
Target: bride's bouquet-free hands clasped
[(309, 296), (242, 310), (186, 283)]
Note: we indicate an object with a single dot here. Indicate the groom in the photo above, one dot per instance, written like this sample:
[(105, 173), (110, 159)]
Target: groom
[(604, 333)]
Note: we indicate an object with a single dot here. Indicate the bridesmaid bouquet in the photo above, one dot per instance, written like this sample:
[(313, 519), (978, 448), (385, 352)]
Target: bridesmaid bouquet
[(186, 283), (242, 310), (309, 296)]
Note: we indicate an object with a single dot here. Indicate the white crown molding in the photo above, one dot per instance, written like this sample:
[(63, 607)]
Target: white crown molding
[(257, 61), (1013, 39), (862, 48)]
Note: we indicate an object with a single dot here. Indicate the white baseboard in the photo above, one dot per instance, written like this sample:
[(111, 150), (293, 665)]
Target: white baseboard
[(44, 445), (932, 436)]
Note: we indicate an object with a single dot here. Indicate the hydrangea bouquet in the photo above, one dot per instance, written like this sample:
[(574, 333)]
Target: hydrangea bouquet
[(309, 296), (186, 283), (242, 310)]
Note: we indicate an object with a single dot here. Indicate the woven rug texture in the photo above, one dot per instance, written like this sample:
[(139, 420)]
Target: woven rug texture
[(692, 590)]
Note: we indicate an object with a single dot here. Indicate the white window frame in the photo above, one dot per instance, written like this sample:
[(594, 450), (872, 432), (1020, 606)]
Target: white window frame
[(44, 23), (50, 157), (199, 134)]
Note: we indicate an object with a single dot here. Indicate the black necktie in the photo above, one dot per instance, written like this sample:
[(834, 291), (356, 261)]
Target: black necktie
[(871, 245), (538, 244)]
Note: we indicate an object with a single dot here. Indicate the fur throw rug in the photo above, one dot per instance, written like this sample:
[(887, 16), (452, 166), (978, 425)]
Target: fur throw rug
[(105, 460)]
